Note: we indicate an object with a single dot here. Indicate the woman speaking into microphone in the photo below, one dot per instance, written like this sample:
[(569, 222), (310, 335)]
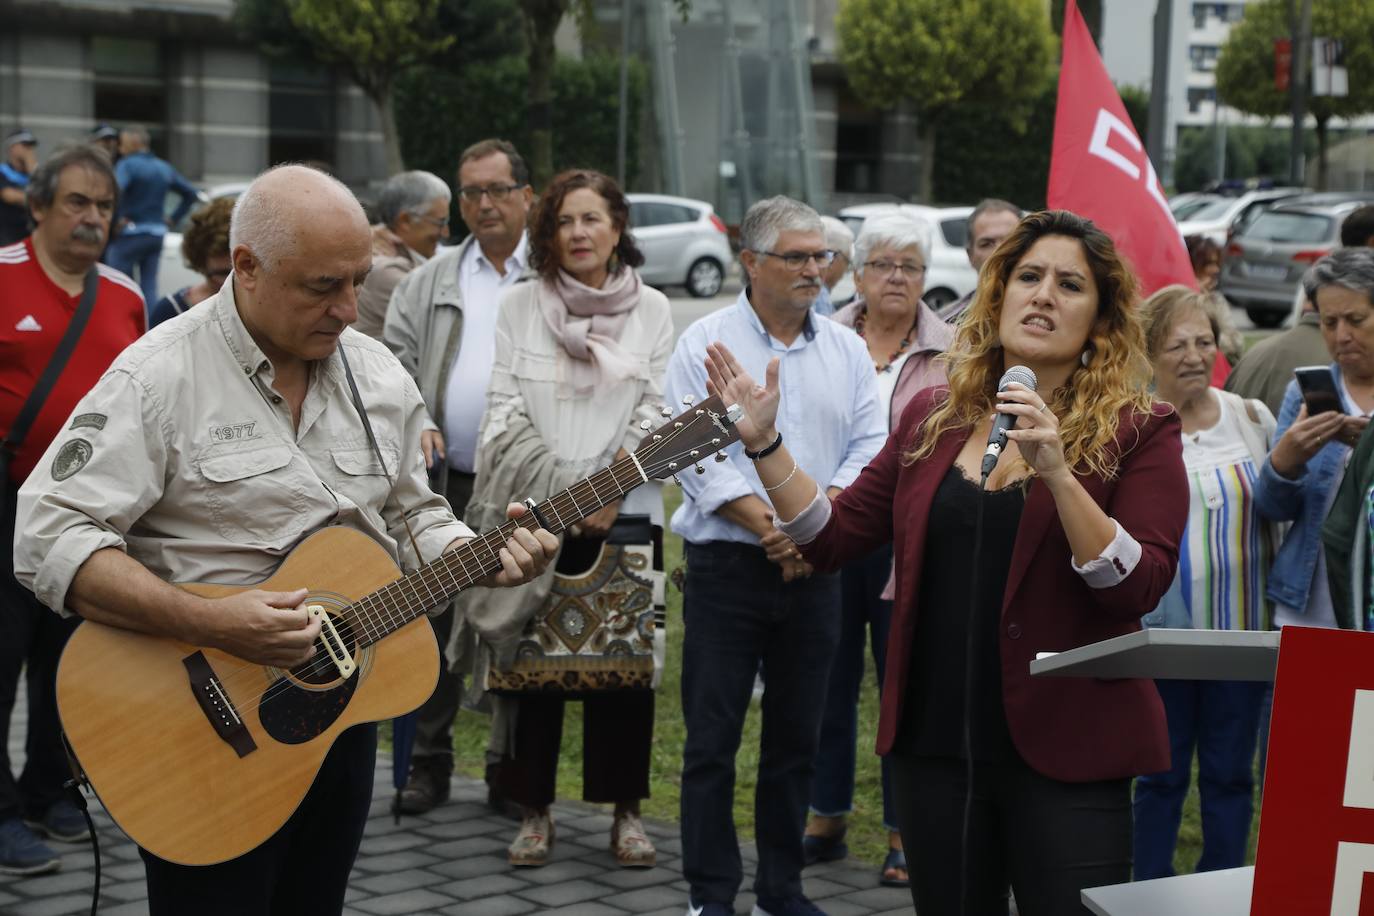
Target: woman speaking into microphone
[(1070, 539)]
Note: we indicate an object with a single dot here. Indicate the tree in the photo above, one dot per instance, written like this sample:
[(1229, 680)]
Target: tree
[(938, 55), (1245, 68), (371, 40)]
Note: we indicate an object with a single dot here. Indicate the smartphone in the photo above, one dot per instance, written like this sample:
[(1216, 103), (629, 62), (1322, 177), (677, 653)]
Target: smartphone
[(1319, 391)]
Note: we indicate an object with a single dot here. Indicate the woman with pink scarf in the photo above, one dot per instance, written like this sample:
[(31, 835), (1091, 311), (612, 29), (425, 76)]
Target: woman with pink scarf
[(580, 355)]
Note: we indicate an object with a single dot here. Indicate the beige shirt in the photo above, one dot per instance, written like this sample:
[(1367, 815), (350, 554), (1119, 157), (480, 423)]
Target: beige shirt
[(184, 456), (392, 259)]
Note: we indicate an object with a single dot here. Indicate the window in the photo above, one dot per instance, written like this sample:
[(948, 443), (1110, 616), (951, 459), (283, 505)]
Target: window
[(130, 86), (1197, 95), (1199, 15), (1203, 57), (300, 113), (1275, 226), (644, 214), (955, 231)]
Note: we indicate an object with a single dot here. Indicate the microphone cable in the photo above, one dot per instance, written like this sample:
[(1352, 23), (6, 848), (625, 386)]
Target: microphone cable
[(969, 663)]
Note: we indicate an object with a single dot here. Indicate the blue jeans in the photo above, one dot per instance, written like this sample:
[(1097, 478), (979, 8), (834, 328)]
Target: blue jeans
[(1222, 719), (142, 250), (738, 613), (864, 618)]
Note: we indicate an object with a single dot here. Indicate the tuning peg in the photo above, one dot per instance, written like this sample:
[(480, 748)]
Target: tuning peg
[(687, 400), (677, 480), (665, 411), (721, 456), (645, 425), (700, 469), (672, 466), (696, 453)]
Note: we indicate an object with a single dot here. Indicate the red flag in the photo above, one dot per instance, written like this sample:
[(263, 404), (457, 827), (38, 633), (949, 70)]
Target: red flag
[(1099, 168)]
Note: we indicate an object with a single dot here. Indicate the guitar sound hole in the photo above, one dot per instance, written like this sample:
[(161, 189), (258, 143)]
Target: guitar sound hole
[(320, 669)]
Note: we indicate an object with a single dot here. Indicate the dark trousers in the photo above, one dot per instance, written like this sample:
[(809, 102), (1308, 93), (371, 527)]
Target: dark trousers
[(1220, 719), (143, 251), (302, 869), (434, 719), (739, 615), (617, 736), (31, 640), (1048, 839), (864, 621)]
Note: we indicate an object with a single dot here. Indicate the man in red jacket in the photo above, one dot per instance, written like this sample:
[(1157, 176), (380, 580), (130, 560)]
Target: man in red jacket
[(72, 199)]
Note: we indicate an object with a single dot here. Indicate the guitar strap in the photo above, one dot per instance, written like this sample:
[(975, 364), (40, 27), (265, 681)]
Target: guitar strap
[(372, 440)]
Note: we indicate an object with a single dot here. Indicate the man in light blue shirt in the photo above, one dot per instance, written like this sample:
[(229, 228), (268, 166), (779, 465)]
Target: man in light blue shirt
[(749, 598), (144, 181)]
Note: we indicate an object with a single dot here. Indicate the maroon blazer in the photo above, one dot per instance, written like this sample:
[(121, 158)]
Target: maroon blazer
[(1073, 729)]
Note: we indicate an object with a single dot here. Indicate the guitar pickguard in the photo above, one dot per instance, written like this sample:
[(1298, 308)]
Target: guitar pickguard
[(305, 701)]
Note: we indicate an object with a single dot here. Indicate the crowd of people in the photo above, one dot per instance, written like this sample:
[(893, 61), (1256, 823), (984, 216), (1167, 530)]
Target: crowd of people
[(1156, 474)]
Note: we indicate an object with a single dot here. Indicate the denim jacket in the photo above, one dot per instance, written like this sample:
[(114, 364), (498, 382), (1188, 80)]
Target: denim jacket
[(144, 181), (1301, 501)]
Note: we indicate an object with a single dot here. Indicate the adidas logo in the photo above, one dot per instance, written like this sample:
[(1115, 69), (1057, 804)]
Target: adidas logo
[(29, 323)]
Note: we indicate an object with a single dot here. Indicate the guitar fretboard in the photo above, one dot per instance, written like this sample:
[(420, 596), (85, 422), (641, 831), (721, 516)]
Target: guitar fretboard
[(394, 605)]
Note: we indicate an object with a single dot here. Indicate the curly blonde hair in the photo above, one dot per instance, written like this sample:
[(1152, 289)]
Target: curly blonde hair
[(1090, 404)]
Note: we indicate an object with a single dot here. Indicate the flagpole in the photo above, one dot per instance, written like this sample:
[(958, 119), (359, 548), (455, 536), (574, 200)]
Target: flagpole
[(1297, 87)]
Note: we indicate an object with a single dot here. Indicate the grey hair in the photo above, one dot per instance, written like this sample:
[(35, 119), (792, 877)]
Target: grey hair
[(893, 230), (264, 227), (42, 186), (839, 238), (1352, 268), (771, 217), (989, 205), (410, 192)]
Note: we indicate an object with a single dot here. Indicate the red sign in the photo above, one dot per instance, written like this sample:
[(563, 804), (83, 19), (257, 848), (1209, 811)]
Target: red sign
[(1283, 63), (1099, 168), (1316, 840)]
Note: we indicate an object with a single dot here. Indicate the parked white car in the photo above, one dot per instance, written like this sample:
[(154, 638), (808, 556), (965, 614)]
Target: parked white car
[(949, 274), (1219, 217), (172, 272), (683, 240)]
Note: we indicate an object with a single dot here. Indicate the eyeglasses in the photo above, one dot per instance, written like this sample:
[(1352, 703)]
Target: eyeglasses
[(497, 192), (439, 222), (796, 260), (885, 268)]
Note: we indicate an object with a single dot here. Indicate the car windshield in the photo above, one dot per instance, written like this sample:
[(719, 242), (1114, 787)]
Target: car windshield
[(1208, 209), (1184, 209), (1294, 227)]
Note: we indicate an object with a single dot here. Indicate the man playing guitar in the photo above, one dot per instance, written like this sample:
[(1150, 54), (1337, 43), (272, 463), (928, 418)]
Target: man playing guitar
[(208, 451)]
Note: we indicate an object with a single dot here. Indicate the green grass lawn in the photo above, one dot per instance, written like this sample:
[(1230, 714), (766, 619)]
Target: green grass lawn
[(867, 840)]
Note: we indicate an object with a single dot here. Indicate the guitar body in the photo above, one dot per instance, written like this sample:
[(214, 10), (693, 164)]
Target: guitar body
[(177, 785)]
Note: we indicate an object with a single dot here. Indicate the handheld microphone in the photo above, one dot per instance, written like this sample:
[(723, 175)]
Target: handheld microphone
[(997, 437)]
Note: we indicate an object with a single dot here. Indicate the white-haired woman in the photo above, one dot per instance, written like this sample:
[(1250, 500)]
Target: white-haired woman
[(413, 208), (904, 338)]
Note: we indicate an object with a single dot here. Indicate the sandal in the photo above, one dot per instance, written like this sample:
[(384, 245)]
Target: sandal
[(631, 845), (824, 848), (533, 842), (895, 861)]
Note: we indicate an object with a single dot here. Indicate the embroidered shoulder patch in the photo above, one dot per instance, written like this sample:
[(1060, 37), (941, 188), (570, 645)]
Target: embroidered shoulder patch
[(93, 420), (71, 458)]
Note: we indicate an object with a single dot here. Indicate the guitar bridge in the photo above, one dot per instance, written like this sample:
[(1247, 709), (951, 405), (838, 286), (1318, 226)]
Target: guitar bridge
[(217, 706)]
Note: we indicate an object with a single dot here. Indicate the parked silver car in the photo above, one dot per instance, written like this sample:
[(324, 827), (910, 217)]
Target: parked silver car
[(684, 242), (949, 274), (1263, 265)]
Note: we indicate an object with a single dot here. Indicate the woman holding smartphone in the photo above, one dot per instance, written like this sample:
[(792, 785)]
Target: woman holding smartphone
[(1299, 479)]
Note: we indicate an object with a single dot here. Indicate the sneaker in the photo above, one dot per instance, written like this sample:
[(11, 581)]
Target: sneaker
[(22, 853), (786, 906), (427, 788), (533, 842), (709, 909), (631, 845), (64, 822)]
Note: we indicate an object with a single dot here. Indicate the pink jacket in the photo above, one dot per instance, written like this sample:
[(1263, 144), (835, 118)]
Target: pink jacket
[(921, 370)]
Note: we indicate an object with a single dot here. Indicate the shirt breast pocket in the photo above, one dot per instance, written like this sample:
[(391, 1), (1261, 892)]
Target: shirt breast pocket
[(358, 476), (254, 494)]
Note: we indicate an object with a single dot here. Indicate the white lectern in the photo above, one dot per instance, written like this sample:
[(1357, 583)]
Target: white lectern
[(1196, 655)]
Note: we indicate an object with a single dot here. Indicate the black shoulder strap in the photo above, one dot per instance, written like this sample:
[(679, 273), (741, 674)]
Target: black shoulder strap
[(372, 440), (29, 412)]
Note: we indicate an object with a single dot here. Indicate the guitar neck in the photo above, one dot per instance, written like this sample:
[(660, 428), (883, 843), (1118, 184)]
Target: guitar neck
[(414, 594)]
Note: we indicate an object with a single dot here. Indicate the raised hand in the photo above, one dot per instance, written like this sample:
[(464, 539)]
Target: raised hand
[(727, 378)]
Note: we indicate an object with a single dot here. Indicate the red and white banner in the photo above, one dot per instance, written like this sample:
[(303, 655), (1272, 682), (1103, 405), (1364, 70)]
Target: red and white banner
[(1099, 168)]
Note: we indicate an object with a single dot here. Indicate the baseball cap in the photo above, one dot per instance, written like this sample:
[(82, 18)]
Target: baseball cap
[(104, 132), (20, 136)]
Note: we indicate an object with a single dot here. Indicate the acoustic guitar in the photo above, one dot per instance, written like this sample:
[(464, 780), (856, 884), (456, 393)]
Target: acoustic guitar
[(200, 756)]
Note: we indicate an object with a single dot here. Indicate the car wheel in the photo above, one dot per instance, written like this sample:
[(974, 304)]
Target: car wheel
[(705, 278), (1264, 318), (939, 298)]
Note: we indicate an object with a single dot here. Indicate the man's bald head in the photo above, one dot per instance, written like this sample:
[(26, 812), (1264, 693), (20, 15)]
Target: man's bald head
[(284, 206)]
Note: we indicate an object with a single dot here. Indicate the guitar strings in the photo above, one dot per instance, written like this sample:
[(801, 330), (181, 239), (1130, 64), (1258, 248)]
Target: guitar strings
[(377, 629)]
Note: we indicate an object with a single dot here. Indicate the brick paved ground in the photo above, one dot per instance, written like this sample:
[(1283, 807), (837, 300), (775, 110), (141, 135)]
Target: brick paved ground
[(453, 861)]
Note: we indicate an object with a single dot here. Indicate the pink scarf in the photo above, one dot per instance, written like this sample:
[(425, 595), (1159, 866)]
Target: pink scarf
[(587, 322)]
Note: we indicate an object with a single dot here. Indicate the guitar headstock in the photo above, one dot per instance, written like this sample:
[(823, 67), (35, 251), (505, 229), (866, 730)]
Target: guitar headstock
[(687, 439)]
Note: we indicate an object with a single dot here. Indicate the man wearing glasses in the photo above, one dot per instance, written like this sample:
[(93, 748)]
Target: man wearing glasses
[(750, 601), (413, 207), (441, 324)]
